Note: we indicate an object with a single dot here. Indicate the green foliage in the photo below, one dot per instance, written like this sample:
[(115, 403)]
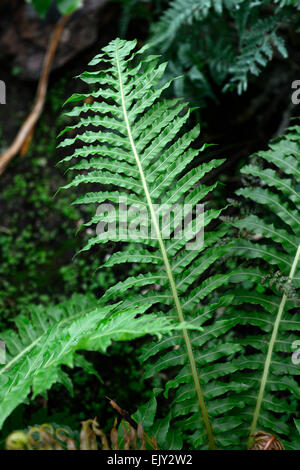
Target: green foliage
[(273, 240), (221, 42), (224, 312), (47, 339), (37, 234), (63, 6), (145, 147), (145, 10), (218, 382)]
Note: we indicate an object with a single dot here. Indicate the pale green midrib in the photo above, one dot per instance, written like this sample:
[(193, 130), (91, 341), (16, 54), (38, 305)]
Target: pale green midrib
[(7, 366), (187, 340), (267, 364)]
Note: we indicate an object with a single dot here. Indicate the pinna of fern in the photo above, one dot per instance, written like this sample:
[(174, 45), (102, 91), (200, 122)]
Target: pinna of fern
[(139, 149)]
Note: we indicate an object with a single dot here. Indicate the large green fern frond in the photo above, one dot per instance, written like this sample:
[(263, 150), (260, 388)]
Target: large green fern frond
[(137, 150), (257, 44)]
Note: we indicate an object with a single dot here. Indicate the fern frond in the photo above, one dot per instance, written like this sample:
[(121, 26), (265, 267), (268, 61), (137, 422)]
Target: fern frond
[(234, 39), (147, 137), (46, 339), (274, 387), (185, 12), (256, 49)]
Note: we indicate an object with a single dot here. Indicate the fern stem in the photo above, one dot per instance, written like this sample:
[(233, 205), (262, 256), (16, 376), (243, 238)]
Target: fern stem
[(198, 388), (270, 352)]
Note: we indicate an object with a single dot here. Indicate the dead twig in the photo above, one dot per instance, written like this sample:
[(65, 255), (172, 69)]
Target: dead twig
[(24, 136)]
